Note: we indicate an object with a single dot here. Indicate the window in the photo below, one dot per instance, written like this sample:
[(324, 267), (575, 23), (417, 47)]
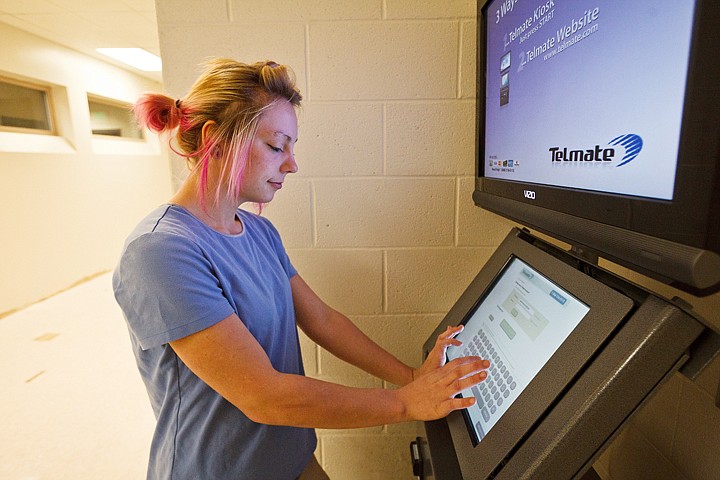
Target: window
[(113, 119), (25, 107)]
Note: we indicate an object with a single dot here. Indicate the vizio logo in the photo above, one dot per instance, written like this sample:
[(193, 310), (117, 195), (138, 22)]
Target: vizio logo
[(529, 194)]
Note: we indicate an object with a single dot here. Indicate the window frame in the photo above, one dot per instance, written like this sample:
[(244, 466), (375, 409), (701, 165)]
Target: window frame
[(46, 89), (111, 102)]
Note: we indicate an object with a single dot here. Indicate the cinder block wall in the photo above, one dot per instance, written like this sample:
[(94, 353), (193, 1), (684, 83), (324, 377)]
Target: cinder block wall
[(379, 220)]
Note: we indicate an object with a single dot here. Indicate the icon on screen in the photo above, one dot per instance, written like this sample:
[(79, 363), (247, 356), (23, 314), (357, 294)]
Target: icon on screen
[(505, 62), (505, 79)]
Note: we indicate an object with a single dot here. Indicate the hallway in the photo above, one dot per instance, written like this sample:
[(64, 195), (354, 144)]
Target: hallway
[(72, 403)]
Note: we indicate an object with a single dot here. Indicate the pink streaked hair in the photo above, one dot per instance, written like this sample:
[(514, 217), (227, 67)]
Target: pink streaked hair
[(233, 96), (163, 115)]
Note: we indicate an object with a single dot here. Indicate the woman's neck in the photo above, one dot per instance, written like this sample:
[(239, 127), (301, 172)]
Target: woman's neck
[(220, 215)]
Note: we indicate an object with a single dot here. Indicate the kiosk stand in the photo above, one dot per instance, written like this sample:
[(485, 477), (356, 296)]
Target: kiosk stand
[(579, 395)]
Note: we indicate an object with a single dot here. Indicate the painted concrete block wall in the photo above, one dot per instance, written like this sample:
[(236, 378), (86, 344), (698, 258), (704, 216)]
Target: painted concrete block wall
[(379, 219), (68, 201)]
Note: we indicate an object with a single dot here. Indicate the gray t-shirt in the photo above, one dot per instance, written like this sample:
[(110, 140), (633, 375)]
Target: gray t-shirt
[(177, 276)]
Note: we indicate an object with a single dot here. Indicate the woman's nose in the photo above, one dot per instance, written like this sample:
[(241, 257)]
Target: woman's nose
[(290, 165)]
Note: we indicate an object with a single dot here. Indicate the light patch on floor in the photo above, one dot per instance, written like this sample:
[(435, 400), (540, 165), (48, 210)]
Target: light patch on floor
[(73, 405)]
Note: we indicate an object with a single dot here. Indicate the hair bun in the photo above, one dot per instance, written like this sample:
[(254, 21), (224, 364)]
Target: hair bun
[(157, 112)]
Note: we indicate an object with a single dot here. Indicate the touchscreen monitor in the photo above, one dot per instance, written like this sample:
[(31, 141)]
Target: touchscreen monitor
[(518, 325), (540, 315)]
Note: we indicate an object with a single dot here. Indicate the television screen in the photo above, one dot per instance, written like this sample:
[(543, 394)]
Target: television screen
[(605, 116), (596, 97)]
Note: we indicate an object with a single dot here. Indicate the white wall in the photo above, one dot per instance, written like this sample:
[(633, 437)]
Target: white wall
[(69, 201)]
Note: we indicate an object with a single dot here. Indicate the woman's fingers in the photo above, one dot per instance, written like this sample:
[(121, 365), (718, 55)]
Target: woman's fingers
[(466, 382), (459, 404), (462, 373), (441, 382), (468, 364), (433, 395), (447, 338), (436, 357), (451, 332)]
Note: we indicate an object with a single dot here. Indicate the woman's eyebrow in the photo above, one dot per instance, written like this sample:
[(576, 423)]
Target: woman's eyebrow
[(289, 138)]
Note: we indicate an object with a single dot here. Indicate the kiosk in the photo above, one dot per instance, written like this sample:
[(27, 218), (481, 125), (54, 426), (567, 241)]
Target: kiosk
[(598, 124), (576, 351)]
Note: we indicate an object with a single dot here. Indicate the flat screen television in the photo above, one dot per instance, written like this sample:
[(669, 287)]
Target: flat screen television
[(598, 123)]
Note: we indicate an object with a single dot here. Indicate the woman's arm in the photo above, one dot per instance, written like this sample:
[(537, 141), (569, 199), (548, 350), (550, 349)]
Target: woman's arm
[(228, 358), (338, 335)]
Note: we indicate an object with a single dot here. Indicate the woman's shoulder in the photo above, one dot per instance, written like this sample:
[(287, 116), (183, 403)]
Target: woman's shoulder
[(164, 227), (253, 220)]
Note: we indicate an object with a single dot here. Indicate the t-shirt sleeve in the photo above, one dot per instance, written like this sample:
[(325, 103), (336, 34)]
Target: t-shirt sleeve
[(167, 289)]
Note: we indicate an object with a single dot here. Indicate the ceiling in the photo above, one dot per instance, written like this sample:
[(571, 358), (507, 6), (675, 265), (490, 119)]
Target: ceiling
[(85, 25)]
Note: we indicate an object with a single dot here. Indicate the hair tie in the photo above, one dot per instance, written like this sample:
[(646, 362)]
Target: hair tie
[(177, 104)]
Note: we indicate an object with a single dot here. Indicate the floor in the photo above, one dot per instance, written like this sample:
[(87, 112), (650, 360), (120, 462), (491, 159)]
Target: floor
[(72, 403)]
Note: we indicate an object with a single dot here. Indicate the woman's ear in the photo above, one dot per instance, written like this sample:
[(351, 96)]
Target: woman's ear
[(206, 129), (206, 136)]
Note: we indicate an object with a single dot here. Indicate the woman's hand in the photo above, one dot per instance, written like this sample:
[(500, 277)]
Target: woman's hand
[(437, 358), (432, 395)]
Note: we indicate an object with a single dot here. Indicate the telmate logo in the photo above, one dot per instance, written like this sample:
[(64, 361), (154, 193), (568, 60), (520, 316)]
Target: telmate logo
[(630, 142)]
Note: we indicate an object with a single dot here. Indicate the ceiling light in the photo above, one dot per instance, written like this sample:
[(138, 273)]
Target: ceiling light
[(135, 57)]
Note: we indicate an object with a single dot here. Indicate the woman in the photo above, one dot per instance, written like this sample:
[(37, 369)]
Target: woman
[(213, 303)]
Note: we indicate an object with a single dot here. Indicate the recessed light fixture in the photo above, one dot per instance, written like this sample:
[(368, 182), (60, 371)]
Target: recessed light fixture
[(135, 57)]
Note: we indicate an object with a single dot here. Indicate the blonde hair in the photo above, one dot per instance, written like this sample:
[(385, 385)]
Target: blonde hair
[(234, 96)]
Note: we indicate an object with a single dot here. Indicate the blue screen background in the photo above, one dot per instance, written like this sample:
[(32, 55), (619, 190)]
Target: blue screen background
[(624, 72)]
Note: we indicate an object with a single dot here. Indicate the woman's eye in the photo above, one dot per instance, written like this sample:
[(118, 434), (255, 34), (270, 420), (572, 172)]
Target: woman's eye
[(275, 149)]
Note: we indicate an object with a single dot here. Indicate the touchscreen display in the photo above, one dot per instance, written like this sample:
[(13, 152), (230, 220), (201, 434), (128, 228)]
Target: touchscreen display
[(522, 320)]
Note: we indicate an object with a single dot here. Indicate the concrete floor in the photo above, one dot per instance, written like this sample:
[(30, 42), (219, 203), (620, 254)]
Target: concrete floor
[(72, 403)]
